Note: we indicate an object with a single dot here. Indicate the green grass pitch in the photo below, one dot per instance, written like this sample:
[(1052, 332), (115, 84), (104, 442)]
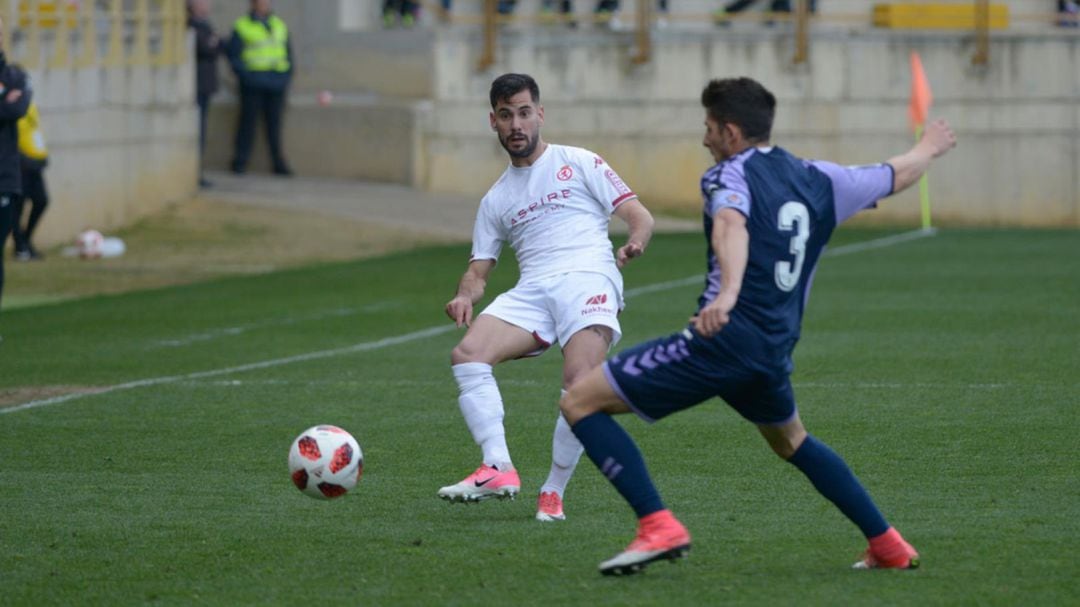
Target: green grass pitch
[(945, 370)]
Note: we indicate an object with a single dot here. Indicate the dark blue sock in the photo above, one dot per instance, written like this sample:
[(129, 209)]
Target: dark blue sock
[(833, 479), (618, 458)]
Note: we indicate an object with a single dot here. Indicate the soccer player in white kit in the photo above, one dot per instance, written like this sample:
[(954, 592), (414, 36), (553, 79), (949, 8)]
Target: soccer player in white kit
[(552, 205)]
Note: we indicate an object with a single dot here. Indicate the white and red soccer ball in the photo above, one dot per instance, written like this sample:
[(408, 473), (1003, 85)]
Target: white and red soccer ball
[(325, 462), (90, 244)]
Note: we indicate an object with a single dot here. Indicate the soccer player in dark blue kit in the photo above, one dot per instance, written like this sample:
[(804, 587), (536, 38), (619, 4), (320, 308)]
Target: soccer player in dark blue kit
[(768, 216)]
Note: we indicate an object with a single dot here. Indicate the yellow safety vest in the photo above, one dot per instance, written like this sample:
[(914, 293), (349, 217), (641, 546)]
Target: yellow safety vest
[(264, 51), (31, 141)]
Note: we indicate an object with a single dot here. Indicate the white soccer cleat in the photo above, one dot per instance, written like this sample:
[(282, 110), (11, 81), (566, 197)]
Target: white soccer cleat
[(485, 483)]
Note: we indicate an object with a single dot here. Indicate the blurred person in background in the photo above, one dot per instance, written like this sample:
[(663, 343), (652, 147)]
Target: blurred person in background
[(208, 47), (33, 158), (1069, 11), (15, 94), (402, 12), (260, 54), (775, 6)]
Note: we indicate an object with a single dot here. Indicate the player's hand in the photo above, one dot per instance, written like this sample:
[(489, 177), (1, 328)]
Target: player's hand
[(715, 316), (459, 309), (627, 252), (939, 137), (13, 96)]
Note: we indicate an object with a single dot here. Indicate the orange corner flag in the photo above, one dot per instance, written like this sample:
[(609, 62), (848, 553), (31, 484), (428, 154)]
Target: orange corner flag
[(921, 97)]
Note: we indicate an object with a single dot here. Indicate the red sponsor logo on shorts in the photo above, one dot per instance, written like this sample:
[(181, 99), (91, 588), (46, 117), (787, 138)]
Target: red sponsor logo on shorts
[(596, 300), (597, 162), (565, 173)]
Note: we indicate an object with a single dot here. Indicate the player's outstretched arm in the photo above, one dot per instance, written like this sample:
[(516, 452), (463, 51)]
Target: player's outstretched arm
[(640, 223), (470, 290), (731, 244), (937, 139)]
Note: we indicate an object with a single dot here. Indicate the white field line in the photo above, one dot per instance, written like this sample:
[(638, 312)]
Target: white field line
[(212, 334), (404, 338), (809, 385), (276, 362)]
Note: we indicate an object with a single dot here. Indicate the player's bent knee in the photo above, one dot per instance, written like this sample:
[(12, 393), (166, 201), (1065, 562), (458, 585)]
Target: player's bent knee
[(466, 352), (574, 407), (459, 355), (784, 440)]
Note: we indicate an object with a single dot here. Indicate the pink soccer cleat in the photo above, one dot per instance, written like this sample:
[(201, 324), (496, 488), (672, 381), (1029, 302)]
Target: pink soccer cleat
[(485, 483), (549, 507), (888, 551), (660, 536)]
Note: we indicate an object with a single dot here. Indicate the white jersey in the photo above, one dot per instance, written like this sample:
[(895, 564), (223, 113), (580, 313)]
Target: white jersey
[(554, 214)]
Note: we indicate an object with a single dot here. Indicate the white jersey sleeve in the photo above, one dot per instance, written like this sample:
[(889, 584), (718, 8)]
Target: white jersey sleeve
[(602, 181), (488, 233)]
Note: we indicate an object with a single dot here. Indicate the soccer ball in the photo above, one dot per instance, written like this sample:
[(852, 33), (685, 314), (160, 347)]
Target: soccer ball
[(325, 462), (90, 244)]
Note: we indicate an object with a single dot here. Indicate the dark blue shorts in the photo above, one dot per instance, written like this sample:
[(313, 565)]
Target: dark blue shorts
[(669, 374)]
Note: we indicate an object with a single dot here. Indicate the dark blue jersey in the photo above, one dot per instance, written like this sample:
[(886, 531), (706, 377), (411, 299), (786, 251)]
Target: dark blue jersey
[(792, 206)]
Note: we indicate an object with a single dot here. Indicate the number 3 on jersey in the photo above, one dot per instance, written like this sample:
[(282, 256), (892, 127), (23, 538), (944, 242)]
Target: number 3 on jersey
[(793, 216)]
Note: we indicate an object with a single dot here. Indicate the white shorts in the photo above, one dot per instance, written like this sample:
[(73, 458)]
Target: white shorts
[(554, 308)]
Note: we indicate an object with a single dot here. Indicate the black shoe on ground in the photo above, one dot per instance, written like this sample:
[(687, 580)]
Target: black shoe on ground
[(28, 254), (283, 171)]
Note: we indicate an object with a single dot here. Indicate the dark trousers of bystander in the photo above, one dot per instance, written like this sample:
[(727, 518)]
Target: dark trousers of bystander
[(776, 6), (203, 101), (270, 103), (7, 219), (33, 185)]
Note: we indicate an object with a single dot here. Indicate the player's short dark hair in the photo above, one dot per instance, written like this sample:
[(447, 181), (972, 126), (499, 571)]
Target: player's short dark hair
[(508, 85), (743, 102)]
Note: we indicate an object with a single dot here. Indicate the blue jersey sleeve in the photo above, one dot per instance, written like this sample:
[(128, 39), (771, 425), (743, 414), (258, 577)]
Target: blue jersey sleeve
[(856, 187)]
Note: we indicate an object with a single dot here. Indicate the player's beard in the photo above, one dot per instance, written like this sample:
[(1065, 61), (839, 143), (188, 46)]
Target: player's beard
[(525, 152)]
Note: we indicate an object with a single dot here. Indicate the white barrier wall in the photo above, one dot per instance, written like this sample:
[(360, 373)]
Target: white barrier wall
[(122, 144), (1018, 119), (114, 86), (411, 106)]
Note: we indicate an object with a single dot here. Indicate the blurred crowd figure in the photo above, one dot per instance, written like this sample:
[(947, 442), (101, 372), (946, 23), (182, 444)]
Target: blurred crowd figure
[(606, 9), (208, 47), (15, 97), (33, 158), (260, 53), (1069, 11), (775, 6), (403, 12)]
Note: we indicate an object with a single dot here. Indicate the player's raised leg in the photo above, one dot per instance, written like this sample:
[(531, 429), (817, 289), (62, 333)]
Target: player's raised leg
[(588, 407), (832, 477), (488, 342)]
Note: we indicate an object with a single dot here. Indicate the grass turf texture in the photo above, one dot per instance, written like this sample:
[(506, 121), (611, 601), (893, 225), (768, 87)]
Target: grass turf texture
[(944, 370)]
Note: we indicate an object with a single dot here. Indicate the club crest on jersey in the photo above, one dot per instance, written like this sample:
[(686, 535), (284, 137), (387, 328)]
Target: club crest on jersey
[(565, 174), (616, 182)]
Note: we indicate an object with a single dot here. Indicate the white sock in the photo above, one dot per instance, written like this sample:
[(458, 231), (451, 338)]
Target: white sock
[(566, 450), (482, 406)]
